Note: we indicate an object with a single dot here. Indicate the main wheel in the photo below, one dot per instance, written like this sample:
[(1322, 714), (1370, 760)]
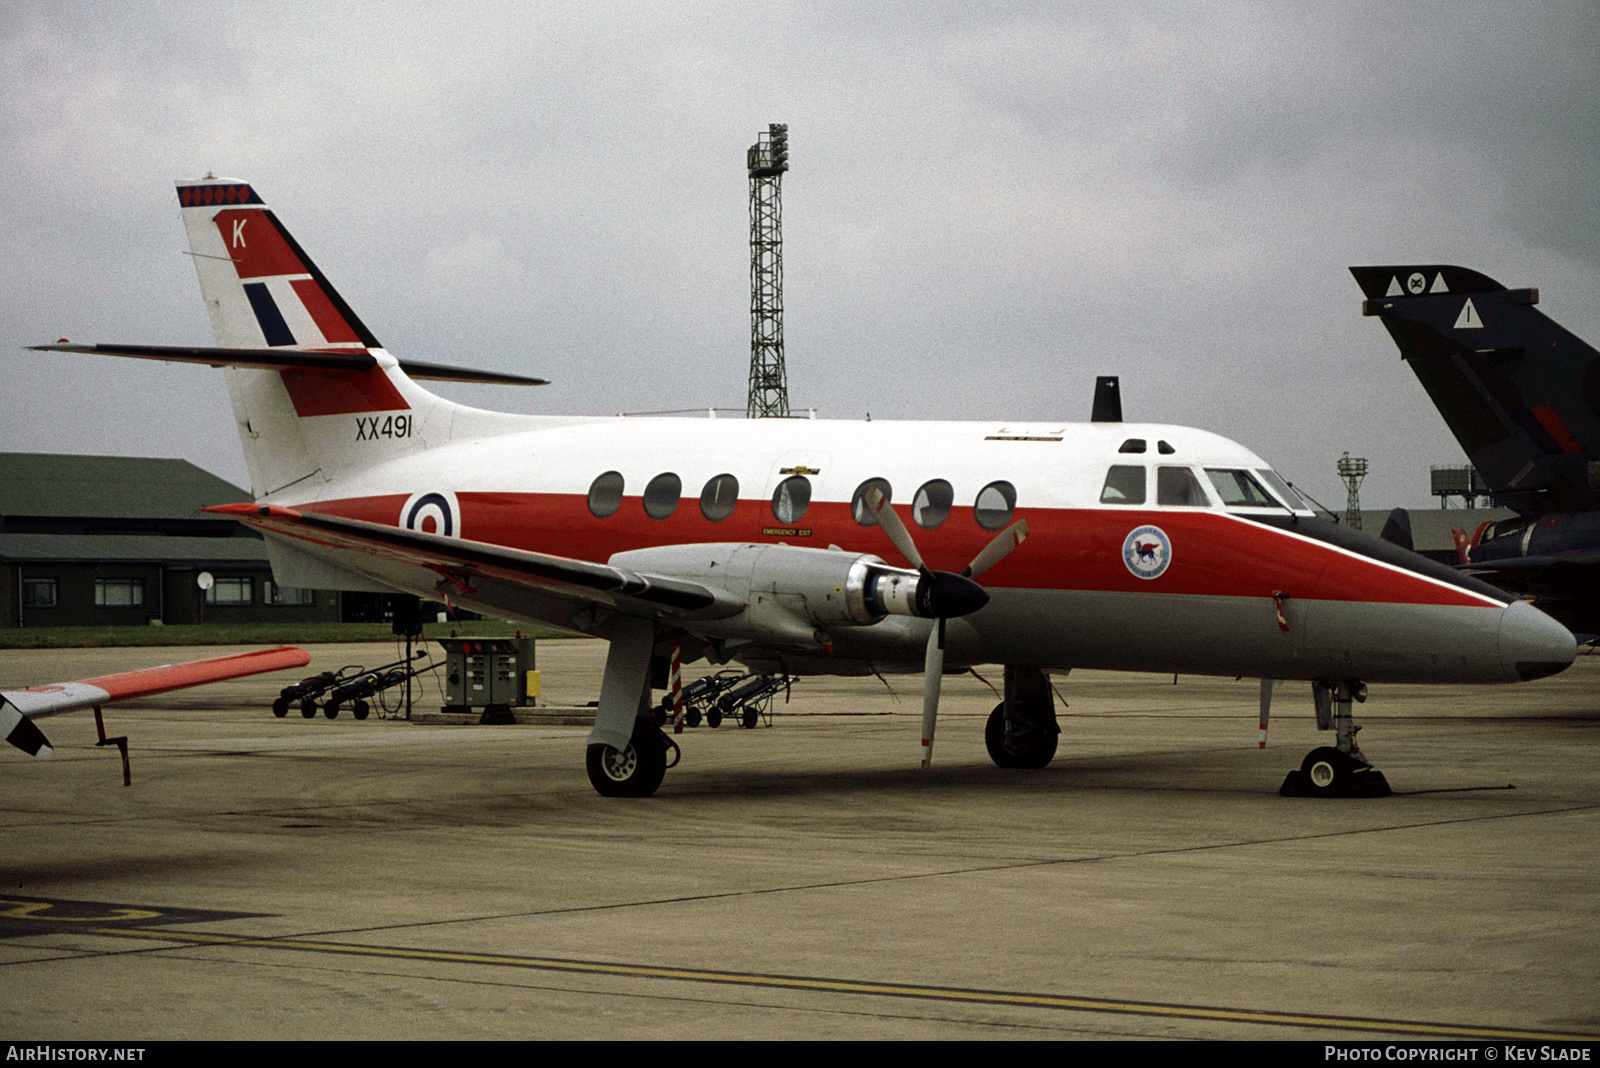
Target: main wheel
[(1327, 771), (632, 772), (1041, 748)]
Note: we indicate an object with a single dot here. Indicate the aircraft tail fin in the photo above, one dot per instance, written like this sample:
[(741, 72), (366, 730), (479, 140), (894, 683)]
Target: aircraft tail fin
[(1519, 392), (314, 393), (1465, 542), (1397, 529)]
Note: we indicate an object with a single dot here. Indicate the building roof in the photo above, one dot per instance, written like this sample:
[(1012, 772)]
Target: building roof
[(132, 548), (113, 487)]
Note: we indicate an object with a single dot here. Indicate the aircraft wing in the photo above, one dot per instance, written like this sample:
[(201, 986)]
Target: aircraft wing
[(18, 708), (461, 564), (1548, 562)]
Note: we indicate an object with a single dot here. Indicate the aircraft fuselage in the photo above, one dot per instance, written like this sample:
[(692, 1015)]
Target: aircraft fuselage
[(1262, 590)]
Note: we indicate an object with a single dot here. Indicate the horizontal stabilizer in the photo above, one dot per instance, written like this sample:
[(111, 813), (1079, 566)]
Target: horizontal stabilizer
[(294, 359), (18, 708), (58, 697)]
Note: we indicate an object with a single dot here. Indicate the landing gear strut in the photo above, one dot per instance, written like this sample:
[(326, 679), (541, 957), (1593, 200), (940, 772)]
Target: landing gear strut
[(1022, 730), (1338, 770)]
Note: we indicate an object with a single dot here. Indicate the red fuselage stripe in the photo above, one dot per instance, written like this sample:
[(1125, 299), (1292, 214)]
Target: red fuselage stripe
[(1080, 549)]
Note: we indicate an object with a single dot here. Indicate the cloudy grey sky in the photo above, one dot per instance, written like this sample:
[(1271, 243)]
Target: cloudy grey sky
[(989, 204)]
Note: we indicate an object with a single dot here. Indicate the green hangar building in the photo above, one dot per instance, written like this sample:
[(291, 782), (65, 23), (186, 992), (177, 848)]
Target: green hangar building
[(112, 540)]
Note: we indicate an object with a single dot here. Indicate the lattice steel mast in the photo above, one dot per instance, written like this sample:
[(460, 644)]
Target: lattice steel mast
[(768, 158), (1352, 471)]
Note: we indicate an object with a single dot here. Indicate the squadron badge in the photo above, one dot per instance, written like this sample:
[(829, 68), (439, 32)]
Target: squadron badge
[(1147, 551)]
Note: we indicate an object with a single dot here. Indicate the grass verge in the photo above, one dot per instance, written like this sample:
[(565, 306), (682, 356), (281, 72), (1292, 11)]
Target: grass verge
[(255, 634)]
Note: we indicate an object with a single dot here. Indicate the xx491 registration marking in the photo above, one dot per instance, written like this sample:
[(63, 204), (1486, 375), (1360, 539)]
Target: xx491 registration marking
[(371, 428)]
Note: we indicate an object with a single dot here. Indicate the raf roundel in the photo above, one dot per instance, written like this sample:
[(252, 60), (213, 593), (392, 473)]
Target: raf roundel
[(1147, 551), (432, 513)]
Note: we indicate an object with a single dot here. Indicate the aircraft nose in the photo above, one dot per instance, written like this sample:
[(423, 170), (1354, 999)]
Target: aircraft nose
[(1532, 645)]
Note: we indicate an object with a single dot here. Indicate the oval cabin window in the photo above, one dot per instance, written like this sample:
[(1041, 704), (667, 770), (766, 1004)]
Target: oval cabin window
[(860, 510), (605, 494), (791, 499), (931, 506), (661, 495), (994, 505), (719, 497)]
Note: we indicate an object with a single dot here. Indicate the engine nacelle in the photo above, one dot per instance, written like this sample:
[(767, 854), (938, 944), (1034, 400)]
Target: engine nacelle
[(824, 587)]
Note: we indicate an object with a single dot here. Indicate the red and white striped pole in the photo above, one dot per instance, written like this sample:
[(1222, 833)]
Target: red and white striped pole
[(677, 689)]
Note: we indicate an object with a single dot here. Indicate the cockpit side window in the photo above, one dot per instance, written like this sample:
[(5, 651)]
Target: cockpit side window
[(1124, 485), (1239, 489), (1177, 486), (1286, 493)]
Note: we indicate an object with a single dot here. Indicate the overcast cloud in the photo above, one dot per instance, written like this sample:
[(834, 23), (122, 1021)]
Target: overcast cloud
[(988, 205)]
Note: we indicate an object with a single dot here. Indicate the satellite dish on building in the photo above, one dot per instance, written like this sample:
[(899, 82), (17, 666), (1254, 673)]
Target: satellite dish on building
[(204, 580)]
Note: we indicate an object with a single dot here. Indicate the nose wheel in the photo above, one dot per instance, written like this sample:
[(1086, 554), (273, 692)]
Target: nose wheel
[(1338, 770)]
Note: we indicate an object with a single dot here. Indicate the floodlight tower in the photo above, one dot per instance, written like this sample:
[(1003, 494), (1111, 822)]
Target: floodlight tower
[(768, 158), (1352, 471)]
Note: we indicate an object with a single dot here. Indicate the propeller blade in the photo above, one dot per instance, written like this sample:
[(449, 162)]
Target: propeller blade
[(889, 520), (997, 549), (932, 673)]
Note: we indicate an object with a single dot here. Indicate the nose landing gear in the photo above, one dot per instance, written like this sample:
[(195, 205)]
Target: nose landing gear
[(1338, 770)]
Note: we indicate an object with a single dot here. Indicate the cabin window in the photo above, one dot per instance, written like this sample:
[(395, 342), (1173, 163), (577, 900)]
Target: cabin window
[(719, 497), (1124, 485), (791, 499), (931, 506), (1177, 486), (1238, 489), (994, 505), (661, 495), (860, 509), (605, 495), (1164, 449), (113, 592), (1133, 445)]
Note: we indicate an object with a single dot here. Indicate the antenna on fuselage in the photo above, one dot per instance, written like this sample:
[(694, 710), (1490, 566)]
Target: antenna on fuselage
[(1107, 400)]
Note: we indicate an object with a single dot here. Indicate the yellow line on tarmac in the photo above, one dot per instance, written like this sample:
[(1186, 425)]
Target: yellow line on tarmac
[(1414, 1028)]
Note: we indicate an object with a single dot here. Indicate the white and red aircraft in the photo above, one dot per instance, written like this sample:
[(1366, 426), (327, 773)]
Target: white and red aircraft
[(773, 543)]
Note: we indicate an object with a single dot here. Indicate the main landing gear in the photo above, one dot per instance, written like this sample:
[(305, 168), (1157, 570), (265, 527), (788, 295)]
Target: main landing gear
[(1338, 770), (1022, 730), (637, 770)]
